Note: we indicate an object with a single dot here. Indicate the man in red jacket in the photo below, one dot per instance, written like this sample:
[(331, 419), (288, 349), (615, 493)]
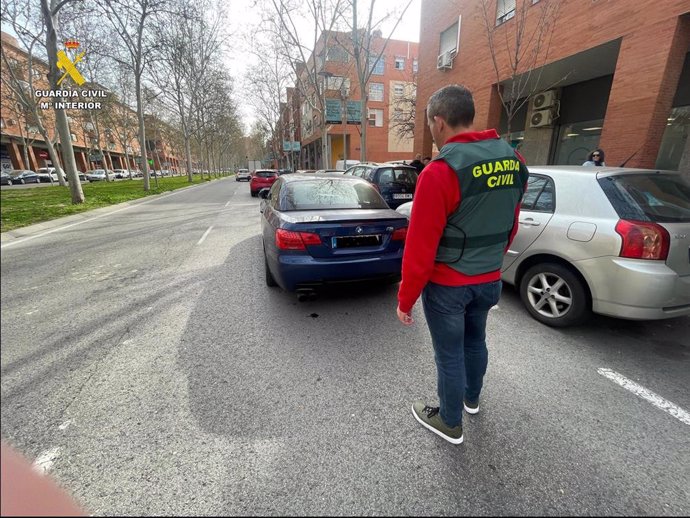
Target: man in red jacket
[(464, 217)]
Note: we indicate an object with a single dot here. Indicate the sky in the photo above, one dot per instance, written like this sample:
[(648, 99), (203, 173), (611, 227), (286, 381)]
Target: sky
[(242, 18)]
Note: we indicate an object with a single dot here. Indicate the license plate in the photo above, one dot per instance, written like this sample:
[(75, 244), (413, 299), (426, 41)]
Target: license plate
[(403, 196), (355, 241)]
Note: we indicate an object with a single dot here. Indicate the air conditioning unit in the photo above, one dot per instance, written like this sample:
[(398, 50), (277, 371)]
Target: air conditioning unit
[(445, 60), (544, 100), (541, 118)]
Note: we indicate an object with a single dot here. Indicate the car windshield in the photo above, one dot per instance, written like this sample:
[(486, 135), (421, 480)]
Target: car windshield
[(265, 174), (662, 198), (326, 194)]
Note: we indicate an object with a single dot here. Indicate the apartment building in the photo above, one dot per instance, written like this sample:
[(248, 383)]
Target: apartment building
[(388, 101), (616, 76), (107, 138)]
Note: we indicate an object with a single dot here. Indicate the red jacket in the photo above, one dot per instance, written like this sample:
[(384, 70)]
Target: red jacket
[(436, 197)]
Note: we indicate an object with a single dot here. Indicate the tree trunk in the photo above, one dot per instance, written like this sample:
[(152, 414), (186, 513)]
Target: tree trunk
[(188, 157), (142, 134), (60, 116)]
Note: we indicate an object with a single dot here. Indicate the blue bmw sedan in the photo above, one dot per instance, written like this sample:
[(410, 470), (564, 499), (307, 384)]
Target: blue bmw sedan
[(320, 230)]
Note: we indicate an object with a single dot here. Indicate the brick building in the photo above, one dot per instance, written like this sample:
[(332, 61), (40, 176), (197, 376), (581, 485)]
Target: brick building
[(617, 77), (104, 139), (391, 91)]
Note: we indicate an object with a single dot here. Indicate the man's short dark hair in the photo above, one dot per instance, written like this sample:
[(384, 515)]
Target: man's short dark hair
[(452, 103)]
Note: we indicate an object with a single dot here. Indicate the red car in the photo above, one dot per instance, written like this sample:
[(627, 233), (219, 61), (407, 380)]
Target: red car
[(260, 179)]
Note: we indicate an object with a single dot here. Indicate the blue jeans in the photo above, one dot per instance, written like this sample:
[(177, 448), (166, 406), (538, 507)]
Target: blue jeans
[(456, 316)]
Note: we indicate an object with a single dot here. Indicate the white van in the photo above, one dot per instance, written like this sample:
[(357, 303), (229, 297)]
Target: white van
[(344, 164)]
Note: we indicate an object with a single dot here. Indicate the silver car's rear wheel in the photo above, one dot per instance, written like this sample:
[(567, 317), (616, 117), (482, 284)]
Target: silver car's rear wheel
[(554, 295)]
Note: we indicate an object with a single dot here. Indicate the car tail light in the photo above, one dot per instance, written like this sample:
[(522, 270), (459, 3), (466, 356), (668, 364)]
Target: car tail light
[(643, 240), (400, 234), (288, 240)]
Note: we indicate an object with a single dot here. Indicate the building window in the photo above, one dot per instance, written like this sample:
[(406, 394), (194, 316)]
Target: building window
[(378, 67), (449, 39), (399, 89), (337, 53), (674, 139), (505, 10), (400, 63), (376, 91), (74, 137), (337, 82), (375, 118), (415, 65)]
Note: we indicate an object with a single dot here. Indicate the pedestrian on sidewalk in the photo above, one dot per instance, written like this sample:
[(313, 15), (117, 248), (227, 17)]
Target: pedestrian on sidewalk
[(417, 163), (465, 215), (596, 158)]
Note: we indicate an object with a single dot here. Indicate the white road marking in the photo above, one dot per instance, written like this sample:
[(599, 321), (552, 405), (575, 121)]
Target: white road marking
[(228, 203), (23, 240), (45, 460), (32, 312), (647, 394), (204, 236)]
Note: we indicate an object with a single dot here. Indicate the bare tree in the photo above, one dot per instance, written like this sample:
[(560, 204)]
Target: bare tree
[(367, 48), (526, 46), (50, 10), (189, 47), (285, 21), (132, 21), (403, 109), (265, 86), (26, 22)]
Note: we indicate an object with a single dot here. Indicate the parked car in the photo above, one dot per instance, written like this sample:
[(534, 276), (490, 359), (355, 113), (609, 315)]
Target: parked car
[(260, 179), (329, 171), (323, 229), (5, 178), (396, 183), (613, 241), (98, 175), (82, 176), (243, 175), (305, 171), (344, 164), (47, 174), (120, 173), (22, 176)]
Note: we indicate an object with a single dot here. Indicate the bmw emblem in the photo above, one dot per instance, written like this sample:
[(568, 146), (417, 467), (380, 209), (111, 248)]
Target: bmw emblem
[(359, 230)]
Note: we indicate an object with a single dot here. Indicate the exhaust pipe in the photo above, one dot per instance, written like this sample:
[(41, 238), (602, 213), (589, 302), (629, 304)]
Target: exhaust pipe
[(306, 294)]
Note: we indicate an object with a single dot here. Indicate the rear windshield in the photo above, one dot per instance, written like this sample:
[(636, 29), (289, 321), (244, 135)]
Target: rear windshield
[(329, 194), (398, 175), (265, 174), (657, 197)]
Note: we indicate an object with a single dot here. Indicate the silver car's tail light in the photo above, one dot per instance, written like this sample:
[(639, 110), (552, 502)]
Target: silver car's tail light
[(643, 240)]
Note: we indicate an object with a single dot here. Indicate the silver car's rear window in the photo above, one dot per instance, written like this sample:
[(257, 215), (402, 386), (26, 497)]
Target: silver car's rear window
[(329, 194), (657, 197)]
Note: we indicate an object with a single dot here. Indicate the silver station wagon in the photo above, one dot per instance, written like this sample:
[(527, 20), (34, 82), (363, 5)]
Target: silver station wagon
[(607, 240)]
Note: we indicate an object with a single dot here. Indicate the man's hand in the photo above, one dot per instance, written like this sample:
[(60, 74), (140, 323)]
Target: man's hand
[(405, 318)]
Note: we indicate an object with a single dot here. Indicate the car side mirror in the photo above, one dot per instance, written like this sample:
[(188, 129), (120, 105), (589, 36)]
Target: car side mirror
[(263, 193)]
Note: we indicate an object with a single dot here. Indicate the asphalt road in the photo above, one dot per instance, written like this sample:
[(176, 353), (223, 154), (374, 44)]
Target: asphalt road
[(148, 368)]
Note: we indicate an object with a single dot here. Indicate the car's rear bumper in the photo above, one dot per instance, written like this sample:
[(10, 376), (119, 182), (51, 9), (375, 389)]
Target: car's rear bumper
[(293, 272), (636, 289)]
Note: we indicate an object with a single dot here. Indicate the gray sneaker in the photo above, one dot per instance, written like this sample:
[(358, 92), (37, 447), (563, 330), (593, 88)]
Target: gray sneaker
[(471, 408), (430, 418)]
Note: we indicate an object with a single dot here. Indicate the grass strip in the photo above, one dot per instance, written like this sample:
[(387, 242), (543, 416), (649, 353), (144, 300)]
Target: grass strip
[(22, 207)]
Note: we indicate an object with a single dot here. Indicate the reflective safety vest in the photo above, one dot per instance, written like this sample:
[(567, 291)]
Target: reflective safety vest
[(492, 182)]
